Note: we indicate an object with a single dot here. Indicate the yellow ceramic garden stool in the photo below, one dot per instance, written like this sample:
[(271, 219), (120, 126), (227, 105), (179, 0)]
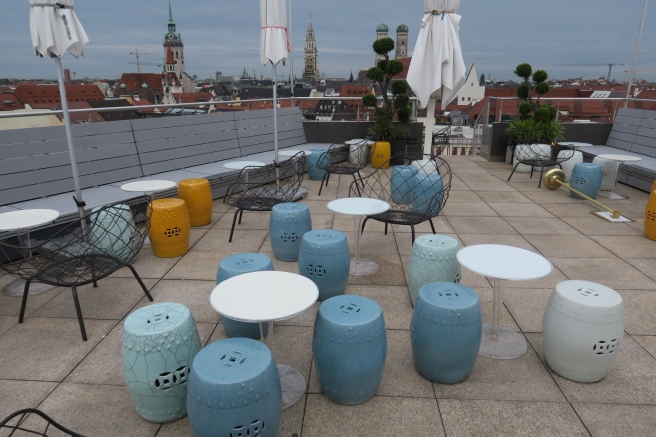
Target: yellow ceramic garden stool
[(650, 215), (381, 154), (169, 227), (197, 194)]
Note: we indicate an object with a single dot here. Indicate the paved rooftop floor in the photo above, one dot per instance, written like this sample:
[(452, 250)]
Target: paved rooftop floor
[(45, 363)]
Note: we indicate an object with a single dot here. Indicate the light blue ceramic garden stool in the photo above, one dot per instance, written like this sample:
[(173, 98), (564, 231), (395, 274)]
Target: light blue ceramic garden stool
[(234, 390), (425, 194), (402, 182), (314, 173), (159, 343), (349, 347), (239, 264), (117, 228), (287, 224), (586, 177), (445, 331), (433, 259), (324, 258)]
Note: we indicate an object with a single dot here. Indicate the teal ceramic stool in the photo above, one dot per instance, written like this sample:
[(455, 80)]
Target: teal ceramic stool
[(445, 331), (117, 229), (402, 183), (324, 258), (427, 194), (287, 224), (349, 347), (234, 390), (314, 173), (586, 177), (160, 342), (239, 264), (433, 259)]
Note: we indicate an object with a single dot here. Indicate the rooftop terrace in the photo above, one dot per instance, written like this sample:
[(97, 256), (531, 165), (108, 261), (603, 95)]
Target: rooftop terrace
[(80, 384)]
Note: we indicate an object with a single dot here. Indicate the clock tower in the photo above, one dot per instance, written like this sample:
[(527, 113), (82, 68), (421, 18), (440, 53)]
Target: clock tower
[(174, 55), (401, 41), (311, 70)]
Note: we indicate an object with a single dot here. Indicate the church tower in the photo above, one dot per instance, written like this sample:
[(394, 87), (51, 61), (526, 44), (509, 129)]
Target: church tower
[(311, 70), (381, 32), (401, 41), (174, 55)]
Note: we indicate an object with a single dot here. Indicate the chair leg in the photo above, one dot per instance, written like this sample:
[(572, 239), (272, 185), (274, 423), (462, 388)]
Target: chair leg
[(79, 313), (430, 220), (322, 180), (412, 229), (232, 229), (541, 174), (357, 186), (531, 172), (513, 171), (26, 290), (361, 181), (364, 222), (386, 228), (138, 278), (241, 214)]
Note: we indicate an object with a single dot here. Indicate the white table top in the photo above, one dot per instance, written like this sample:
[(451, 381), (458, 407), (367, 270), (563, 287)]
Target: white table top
[(619, 158), (358, 206), (358, 141), (26, 218), (504, 262), (293, 152), (574, 144), (238, 165), (148, 186), (264, 296)]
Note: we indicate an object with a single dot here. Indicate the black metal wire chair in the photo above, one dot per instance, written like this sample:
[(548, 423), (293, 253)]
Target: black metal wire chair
[(261, 188), (344, 159), (16, 425), (414, 196), (540, 155), (441, 141), (83, 251)]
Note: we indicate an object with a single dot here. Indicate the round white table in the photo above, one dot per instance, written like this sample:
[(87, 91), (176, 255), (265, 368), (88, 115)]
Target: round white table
[(502, 263), (24, 220), (294, 152), (265, 297), (359, 207), (149, 187), (618, 159)]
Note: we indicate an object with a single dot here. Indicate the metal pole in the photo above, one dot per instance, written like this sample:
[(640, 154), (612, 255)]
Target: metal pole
[(635, 55), (275, 114), (291, 48)]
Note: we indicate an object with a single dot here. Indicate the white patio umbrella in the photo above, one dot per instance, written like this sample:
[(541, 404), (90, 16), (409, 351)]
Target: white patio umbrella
[(56, 30), (437, 62), (274, 47)]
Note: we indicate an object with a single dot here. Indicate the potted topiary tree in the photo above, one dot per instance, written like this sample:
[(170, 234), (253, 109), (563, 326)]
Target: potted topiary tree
[(385, 128)]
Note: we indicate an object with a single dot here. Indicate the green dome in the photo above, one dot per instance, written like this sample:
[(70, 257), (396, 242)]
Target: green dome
[(402, 28), (382, 27), (144, 85), (123, 86)]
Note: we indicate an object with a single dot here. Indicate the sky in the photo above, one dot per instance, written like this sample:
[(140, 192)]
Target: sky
[(223, 35)]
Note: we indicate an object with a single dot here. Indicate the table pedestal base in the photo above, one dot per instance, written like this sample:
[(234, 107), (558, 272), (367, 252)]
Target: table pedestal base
[(612, 195), (292, 384), (16, 288), (361, 267), (507, 344)]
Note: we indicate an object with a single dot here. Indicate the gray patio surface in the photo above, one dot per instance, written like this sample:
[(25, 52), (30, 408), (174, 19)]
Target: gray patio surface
[(45, 363)]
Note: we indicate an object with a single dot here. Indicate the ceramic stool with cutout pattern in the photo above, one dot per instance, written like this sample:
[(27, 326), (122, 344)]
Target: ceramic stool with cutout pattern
[(349, 348), (650, 215), (197, 194), (324, 259), (433, 259), (609, 171), (586, 177), (169, 227), (159, 343), (287, 224), (234, 390), (582, 329)]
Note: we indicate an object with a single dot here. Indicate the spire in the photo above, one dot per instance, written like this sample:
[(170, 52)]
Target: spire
[(310, 26), (170, 14), (351, 78)]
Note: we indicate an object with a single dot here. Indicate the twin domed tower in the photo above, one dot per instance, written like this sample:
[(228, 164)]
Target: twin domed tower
[(401, 39)]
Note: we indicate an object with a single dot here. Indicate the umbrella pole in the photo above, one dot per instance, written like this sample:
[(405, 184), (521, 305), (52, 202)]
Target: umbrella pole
[(430, 122), (275, 122), (69, 135)]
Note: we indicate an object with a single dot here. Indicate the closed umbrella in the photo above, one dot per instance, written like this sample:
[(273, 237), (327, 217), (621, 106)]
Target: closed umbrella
[(274, 47), (437, 62), (56, 30)]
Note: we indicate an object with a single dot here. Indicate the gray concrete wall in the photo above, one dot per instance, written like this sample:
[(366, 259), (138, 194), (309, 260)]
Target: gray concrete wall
[(340, 131)]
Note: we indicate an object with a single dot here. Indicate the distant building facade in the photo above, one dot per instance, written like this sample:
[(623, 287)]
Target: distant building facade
[(174, 55), (310, 55), (381, 32)]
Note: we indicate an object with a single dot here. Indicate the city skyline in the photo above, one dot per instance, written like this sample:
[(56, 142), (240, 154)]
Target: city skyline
[(225, 37)]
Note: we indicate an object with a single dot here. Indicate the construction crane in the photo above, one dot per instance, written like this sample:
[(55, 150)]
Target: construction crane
[(147, 63), (635, 71), (610, 66), (137, 53)]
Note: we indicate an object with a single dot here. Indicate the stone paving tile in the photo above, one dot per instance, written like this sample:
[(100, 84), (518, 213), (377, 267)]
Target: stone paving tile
[(148, 265), (541, 225), (572, 246), (647, 342), (440, 222), (503, 197), (242, 241), (380, 416), (463, 197), (520, 210), (389, 273), (527, 306), (612, 272), (595, 226), (639, 311), (474, 225), (393, 300), (7, 322), (631, 379), (603, 420), (24, 394), (473, 209), (571, 210), (199, 265), (10, 305), (506, 418), (630, 246), (195, 295), (490, 186)]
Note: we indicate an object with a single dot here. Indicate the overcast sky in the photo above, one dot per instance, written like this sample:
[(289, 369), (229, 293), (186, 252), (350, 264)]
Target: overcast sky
[(223, 35)]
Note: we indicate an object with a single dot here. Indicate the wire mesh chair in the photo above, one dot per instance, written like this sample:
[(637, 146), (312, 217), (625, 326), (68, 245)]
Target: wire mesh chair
[(261, 188), (16, 425), (414, 196), (540, 155), (441, 141), (344, 159), (83, 251)]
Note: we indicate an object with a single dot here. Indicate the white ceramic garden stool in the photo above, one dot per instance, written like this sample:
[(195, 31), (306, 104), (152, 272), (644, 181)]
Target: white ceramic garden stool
[(568, 165), (582, 329), (521, 150), (608, 173)]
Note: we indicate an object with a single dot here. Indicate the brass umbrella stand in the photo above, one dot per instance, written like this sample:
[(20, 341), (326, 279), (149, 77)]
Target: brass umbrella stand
[(555, 178)]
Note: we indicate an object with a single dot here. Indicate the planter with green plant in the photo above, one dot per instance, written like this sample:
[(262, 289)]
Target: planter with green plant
[(385, 128)]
